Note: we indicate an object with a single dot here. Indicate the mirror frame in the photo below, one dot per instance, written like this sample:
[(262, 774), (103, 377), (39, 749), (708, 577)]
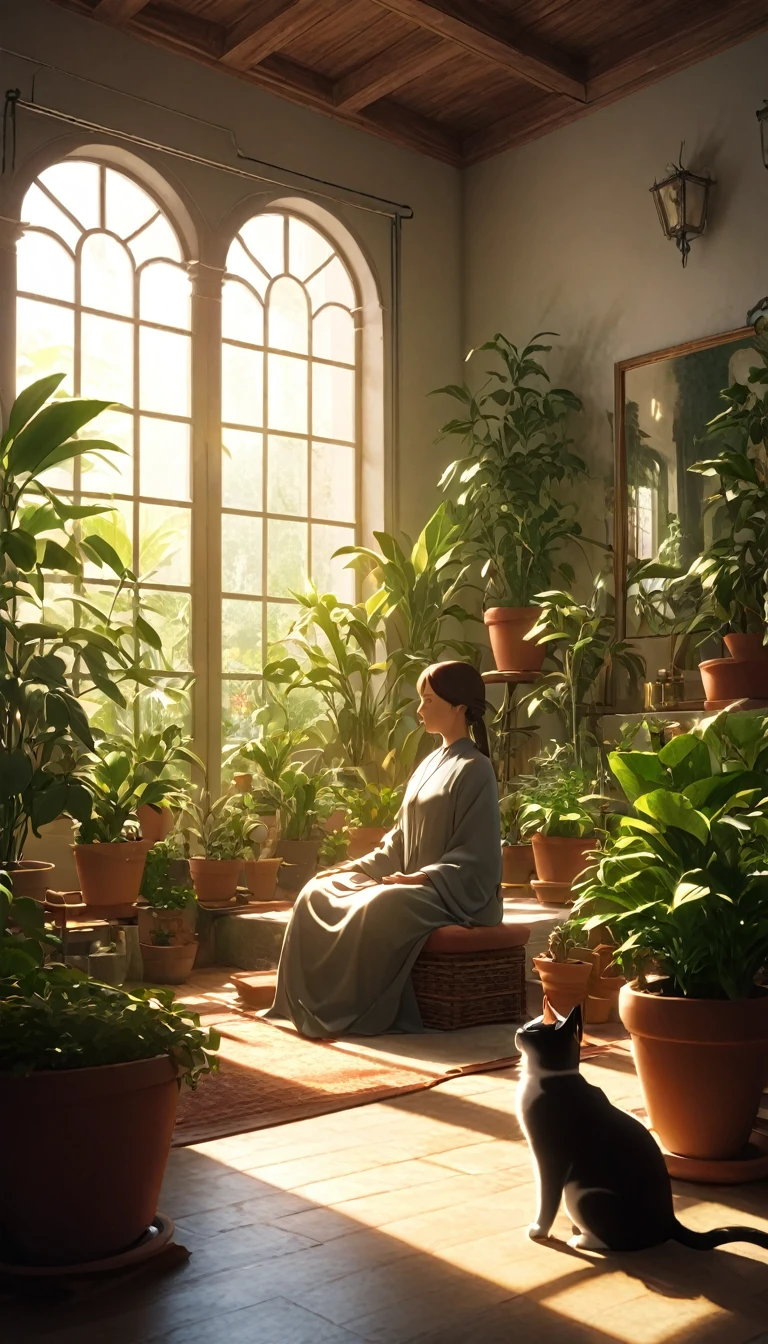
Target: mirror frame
[(620, 519)]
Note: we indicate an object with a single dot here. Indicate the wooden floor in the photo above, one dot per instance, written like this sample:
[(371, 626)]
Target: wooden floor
[(406, 1221)]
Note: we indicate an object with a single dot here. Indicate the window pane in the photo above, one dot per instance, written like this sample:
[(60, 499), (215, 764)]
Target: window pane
[(330, 575), (307, 248), (263, 236), (333, 482), (164, 458), (241, 469), (240, 700), (287, 558), (242, 314), (288, 317), (116, 527), (331, 285), (43, 266), (333, 402), (157, 240), (165, 371), (165, 294), (242, 387), (75, 185), (170, 614), (168, 703), (128, 205), (333, 335), (280, 618), (106, 275), (240, 636), (106, 359), (109, 473), (45, 338), (164, 543), (287, 475), (240, 263), (287, 393), (40, 209), (241, 562)]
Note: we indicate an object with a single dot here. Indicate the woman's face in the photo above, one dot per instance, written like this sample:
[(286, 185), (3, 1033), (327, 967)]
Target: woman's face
[(438, 716)]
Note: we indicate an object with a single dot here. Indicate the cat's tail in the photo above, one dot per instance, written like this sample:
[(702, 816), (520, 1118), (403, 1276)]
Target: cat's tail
[(719, 1236)]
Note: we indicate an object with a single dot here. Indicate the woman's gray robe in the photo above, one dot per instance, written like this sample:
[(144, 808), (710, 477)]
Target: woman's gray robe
[(352, 940)]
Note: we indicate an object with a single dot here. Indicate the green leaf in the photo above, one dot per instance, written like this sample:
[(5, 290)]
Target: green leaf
[(21, 548), (50, 428), (635, 770), (100, 551), (29, 401), (148, 633), (674, 809), (56, 558), (15, 773)]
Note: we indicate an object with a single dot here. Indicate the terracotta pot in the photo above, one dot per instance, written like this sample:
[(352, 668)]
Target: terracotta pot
[(598, 1010), (243, 782), (746, 648), (702, 1065), (102, 1203), (564, 982), (735, 678), (31, 877), (215, 880), (156, 822), (552, 893), (111, 874), (560, 858), (517, 865), (336, 821), (260, 877), (507, 628), (167, 965), (180, 923), (300, 862), (363, 839)]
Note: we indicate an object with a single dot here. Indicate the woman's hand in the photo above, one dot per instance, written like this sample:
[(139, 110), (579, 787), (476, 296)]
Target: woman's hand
[(405, 879)]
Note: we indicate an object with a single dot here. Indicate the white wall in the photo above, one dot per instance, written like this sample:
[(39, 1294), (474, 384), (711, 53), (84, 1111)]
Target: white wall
[(274, 130)]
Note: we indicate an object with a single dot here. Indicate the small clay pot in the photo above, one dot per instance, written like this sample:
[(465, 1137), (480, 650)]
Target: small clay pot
[(702, 1065), (507, 628), (243, 782), (179, 923), (156, 822), (31, 878), (552, 893), (517, 865), (299, 862), (564, 982), (560, 858), (215, 880), (111, 874), (598, 1010), (260, 877), (167, 965), (364, 839), (727, 679), (746, 648)]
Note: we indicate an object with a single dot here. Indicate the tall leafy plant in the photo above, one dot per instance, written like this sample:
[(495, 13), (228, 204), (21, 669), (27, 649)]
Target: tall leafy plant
[(518, 457)]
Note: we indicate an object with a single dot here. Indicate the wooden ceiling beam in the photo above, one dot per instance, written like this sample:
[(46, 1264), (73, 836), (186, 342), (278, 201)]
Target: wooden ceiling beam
[(118, 11), (409, 58), (271, 25), (487, 33)]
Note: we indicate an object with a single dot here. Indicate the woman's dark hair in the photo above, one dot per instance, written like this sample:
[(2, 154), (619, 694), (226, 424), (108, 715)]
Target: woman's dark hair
[(461, 684)]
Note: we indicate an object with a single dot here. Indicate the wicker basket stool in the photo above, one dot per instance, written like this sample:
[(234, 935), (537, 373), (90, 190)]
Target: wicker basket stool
[(468, 977)]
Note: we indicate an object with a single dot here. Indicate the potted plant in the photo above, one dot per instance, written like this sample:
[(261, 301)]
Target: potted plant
[(556, 811), (167, 898), (517, 862), (84, 1069), (166, 960), (371, 812), (565, 968), (682, 885), (170, 752), (518, 457), (49, 660), (222, 830), (301, 801)]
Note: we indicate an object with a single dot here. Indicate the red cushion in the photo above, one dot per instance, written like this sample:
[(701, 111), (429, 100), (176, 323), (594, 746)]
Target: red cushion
[(456, 939)]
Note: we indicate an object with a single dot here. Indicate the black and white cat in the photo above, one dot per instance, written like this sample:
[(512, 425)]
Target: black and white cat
[(604, 1162)]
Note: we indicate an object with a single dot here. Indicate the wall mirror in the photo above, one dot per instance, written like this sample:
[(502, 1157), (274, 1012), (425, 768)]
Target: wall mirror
[(663, 402)]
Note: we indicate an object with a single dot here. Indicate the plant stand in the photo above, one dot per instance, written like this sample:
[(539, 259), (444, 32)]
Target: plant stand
[(509, 764)]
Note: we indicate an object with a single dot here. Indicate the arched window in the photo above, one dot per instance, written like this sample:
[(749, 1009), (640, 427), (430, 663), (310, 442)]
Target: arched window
[(104, 296), (291, 418)]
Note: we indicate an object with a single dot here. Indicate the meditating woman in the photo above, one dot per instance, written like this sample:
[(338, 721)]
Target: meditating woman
[(355, 932)]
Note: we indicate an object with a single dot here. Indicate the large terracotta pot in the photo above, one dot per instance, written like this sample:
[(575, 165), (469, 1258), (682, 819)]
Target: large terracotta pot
[(746, 648), (106, 1133), (507, 628), (260, 877), (517, 865), (300, 862), (156, 822), (215, 880), (560, 858), (363, 839), (179, 923), (31, 877), (727, 679), (111, 874), (702, 1064), (564, 982), (168, 965)]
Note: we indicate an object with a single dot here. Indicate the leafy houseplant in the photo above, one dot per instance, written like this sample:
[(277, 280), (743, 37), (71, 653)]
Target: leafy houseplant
[(225, 831), (46, 664), (565, 969), (107, 1064), (682, 885), (517, 864), (300, 801), (556, 811), (165, 901), (371, 812), (518, 456), (167, 754)]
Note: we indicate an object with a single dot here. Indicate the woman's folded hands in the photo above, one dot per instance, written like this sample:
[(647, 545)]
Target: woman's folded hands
[(405, 879)]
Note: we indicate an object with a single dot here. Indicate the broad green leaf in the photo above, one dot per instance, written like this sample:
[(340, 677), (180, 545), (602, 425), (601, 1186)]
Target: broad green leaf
[(635, 771), (674, 809), (30, 400)]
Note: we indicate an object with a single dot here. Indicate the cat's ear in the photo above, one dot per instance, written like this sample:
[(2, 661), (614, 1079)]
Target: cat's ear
[(575, 1022)]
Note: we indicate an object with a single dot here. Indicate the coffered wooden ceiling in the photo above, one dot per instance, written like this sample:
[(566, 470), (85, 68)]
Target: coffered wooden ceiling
[(458, 79)]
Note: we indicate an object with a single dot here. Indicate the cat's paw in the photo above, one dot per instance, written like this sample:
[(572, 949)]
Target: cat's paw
[(538, 1233), (585, 1241)]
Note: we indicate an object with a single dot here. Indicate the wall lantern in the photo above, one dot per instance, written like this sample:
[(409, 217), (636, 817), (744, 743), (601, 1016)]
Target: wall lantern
[(762, 121), (681, 202)]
